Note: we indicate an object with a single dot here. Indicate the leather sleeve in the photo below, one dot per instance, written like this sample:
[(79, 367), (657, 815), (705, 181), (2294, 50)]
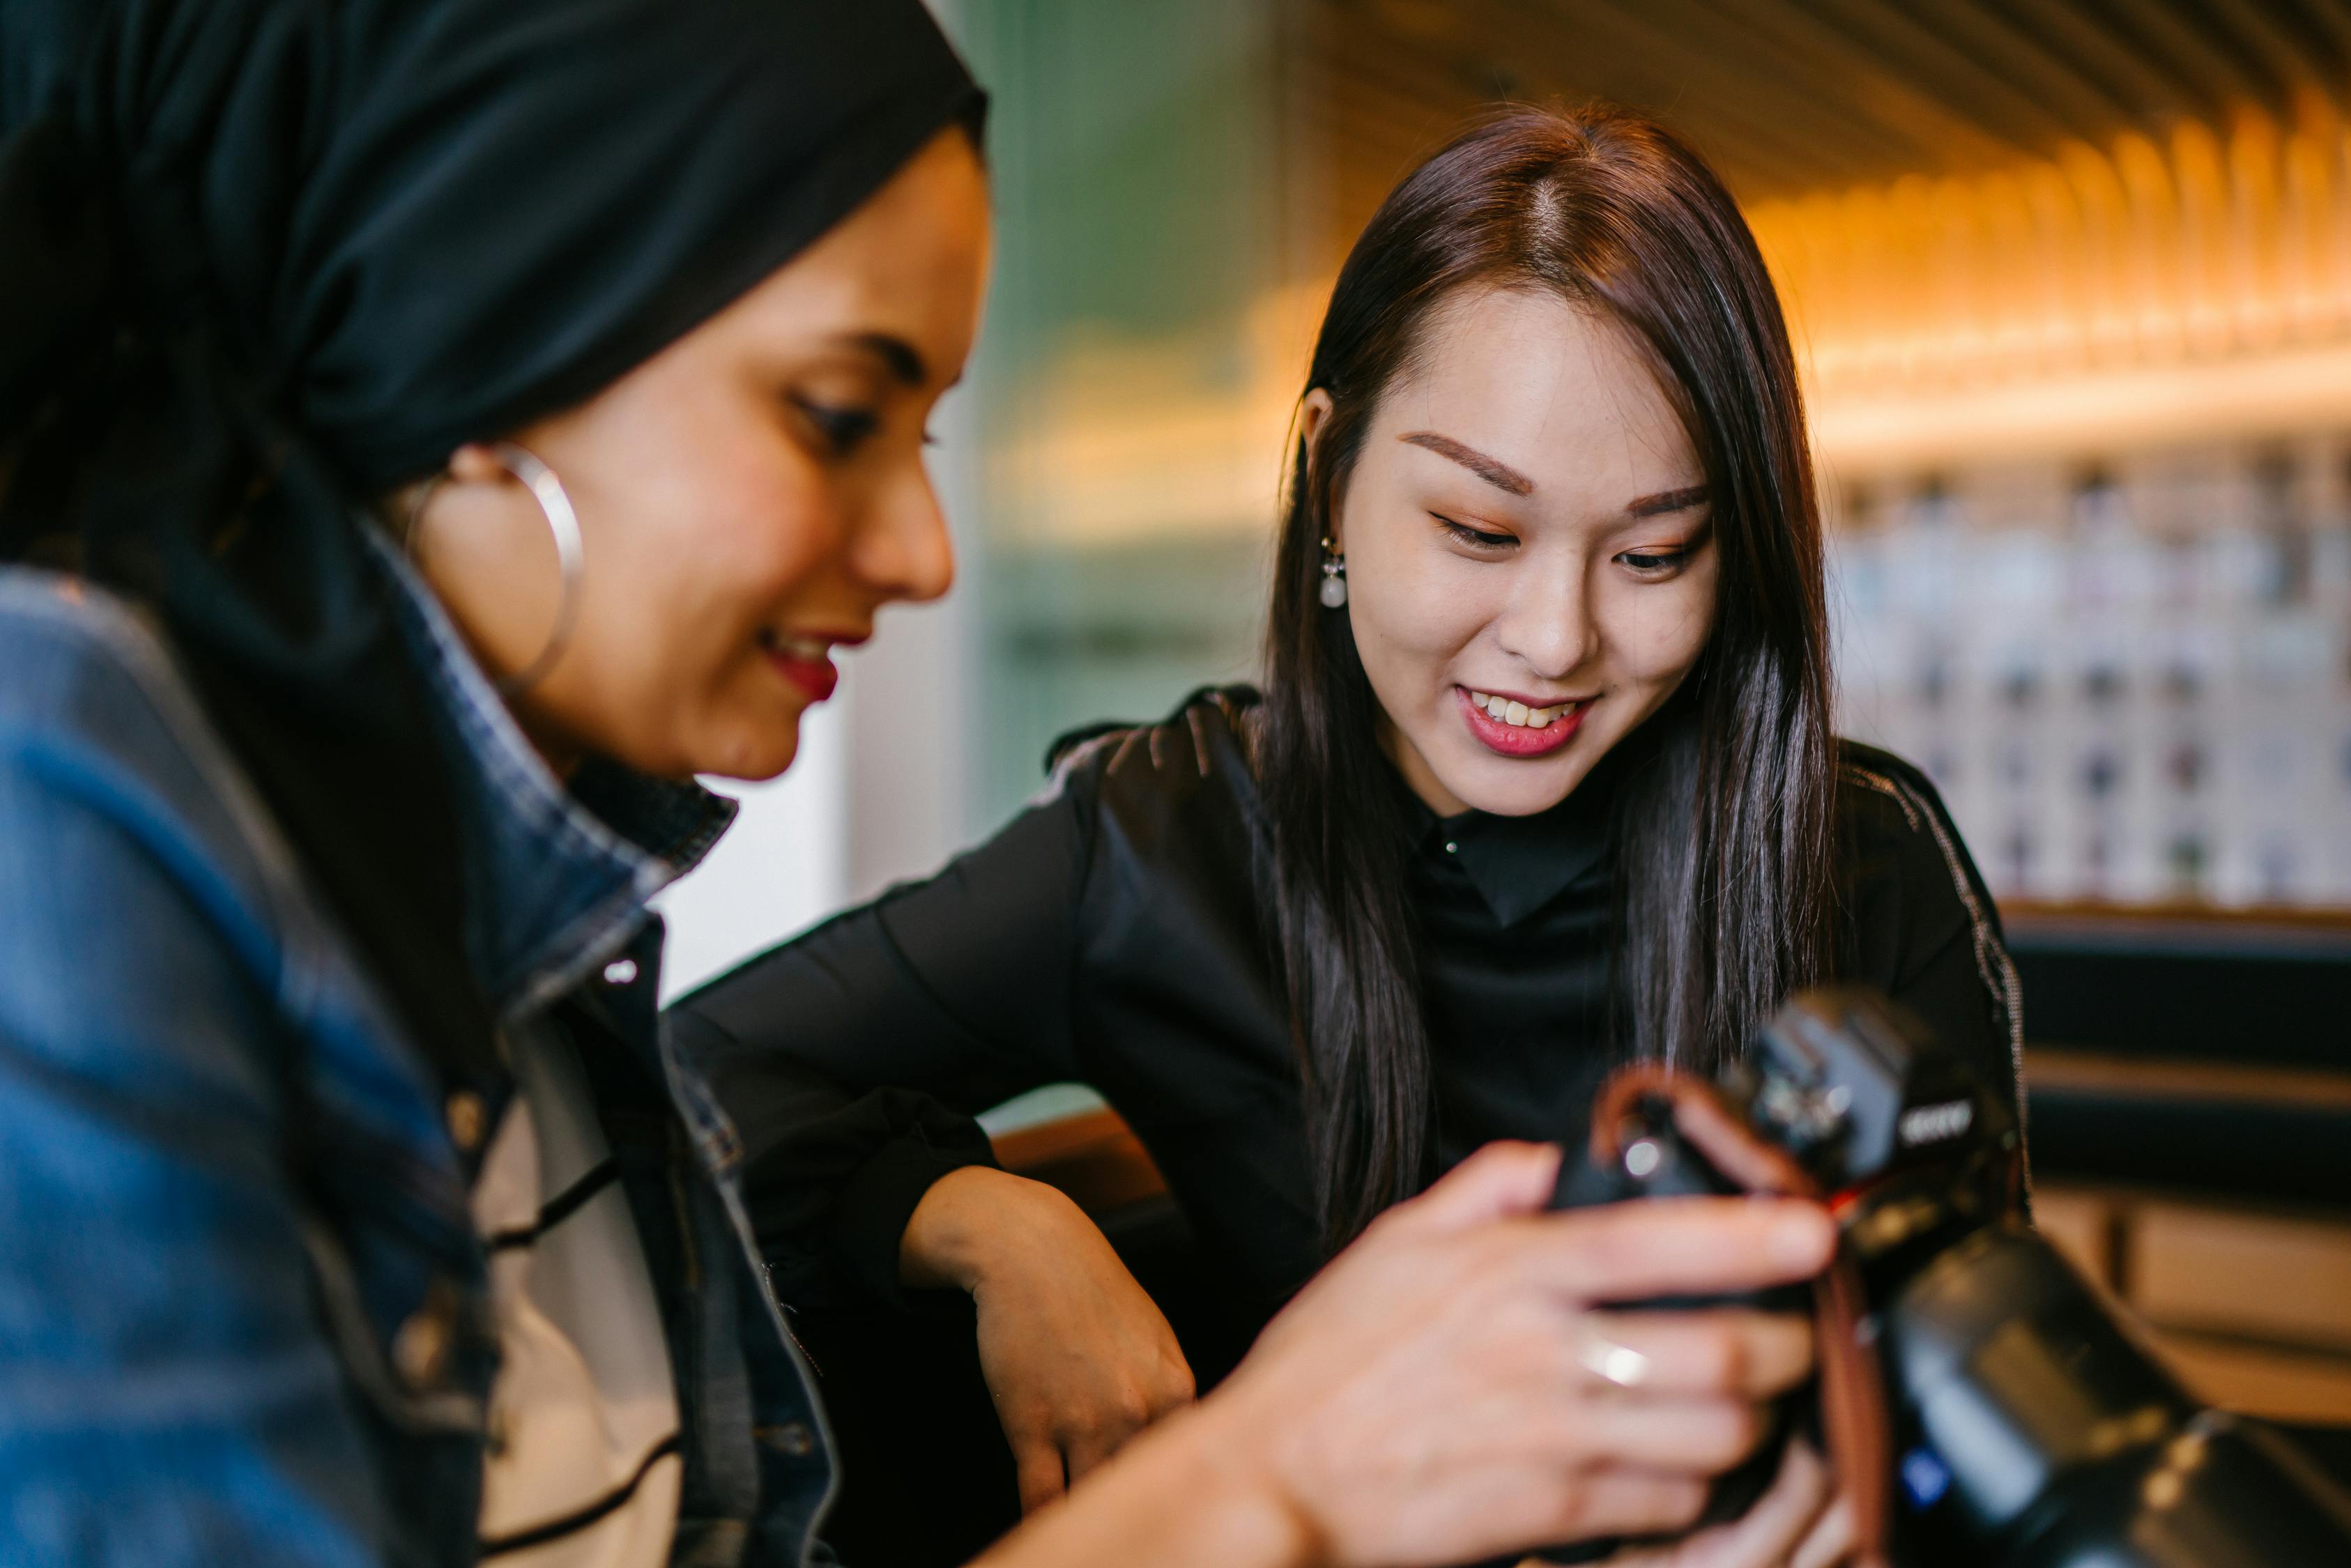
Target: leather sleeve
[(853, 1059), (1923, 927)]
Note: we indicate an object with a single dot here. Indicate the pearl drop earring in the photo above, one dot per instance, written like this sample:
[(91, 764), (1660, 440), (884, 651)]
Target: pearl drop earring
[(1334, 576)]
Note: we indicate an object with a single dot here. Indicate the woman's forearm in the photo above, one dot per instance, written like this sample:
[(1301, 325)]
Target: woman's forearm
[(1186, 1494)]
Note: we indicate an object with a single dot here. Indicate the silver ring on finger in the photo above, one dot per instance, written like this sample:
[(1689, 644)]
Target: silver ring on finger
[(1607, 1360)]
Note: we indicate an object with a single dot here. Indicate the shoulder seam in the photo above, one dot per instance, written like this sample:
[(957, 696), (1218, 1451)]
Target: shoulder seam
[(1993, 965)]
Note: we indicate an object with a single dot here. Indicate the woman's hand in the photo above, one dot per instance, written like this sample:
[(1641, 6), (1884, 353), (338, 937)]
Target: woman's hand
[(1444, 1389), (1077, 1356), (1801, 1522)]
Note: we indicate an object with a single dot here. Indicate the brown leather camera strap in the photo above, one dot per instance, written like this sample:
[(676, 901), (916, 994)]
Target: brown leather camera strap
[(1853, 1413)]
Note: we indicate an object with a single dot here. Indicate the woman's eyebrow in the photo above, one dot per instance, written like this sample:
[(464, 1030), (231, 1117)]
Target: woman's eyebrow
[(899, 357), (1666, 501), (1492, 470)]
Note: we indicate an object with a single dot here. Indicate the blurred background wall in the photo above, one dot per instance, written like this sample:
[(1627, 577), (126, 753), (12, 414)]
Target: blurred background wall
[(2071, 282)]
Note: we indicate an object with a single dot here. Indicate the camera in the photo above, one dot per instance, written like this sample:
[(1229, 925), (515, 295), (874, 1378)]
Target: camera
[(1985, 1404)]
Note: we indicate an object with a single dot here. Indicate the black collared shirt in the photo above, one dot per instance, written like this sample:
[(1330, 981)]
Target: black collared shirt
[(1513, 916), (1113, 934)]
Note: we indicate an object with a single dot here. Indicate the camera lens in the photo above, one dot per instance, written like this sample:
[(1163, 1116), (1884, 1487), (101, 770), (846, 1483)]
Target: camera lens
[(2036, 1434)]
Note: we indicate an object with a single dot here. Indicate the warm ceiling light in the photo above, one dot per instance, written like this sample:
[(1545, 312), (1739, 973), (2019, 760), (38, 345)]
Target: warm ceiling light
[(2001, 297)]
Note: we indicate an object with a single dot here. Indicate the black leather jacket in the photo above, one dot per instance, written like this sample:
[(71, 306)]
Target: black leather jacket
[(1114, 934)]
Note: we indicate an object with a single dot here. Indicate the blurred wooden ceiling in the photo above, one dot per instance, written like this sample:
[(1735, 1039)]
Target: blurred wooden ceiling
[(1791, 96)]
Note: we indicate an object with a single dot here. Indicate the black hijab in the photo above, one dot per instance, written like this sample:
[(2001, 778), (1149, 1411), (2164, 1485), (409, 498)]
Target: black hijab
[(263, 260)]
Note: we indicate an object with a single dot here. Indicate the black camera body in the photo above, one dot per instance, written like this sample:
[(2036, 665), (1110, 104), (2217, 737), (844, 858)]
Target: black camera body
[(2029, 1429)]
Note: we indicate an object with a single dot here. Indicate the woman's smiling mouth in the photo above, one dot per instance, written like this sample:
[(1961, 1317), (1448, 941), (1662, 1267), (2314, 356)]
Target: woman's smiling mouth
[(806, 661), (1510, 727)]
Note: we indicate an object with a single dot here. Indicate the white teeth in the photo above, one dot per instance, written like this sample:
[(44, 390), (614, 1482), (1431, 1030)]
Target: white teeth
[(1517, 713), (810, 648)]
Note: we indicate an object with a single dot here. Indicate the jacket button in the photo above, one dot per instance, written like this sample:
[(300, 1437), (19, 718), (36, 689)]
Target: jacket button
[(420, 1347), (793, 1437), (621, 972), (468, 1118)]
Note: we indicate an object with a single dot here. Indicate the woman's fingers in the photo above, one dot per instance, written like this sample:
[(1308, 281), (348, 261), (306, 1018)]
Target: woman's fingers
[(1624, 1501), (1050, 1459), (1739, 1351), (1681, 1246), (1779, 1520), (1082, 1454), (1671, 1435), (1498, 1181), (1831, 1542), (1462, 1395), (1037, 1469), (1764, 1537)]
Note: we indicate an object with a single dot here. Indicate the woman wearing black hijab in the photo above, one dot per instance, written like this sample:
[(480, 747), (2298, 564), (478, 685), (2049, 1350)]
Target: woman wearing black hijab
[(430, 434)]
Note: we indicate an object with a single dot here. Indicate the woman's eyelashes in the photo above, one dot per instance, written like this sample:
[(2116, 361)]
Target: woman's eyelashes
[(1649, 563), (1474, 539), (1664, 561), (841, 429)]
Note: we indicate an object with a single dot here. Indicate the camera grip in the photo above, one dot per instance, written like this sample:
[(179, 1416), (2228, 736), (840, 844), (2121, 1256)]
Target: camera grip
[(1658, 1133)]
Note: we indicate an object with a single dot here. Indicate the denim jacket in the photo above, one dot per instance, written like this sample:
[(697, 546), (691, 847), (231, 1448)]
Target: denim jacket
[(243, 1308)]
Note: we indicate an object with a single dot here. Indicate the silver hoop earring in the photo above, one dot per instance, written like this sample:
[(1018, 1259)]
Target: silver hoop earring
[(1334, 576), (571, 554)]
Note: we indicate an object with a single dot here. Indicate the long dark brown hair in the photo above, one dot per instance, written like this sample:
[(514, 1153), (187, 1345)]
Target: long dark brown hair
[(1722, 827)]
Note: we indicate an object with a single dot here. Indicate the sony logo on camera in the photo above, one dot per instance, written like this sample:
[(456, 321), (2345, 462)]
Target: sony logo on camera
[(1937, 1123)]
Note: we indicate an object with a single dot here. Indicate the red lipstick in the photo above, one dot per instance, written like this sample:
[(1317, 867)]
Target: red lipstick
[(805, 659), (1517, 739)]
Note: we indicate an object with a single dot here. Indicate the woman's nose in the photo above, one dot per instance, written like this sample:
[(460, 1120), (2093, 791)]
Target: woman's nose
[(1548, 624), (901, 549)]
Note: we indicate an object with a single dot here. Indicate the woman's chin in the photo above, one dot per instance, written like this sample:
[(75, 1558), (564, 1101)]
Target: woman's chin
[(1516, 787), (773, 764), (752, 755)]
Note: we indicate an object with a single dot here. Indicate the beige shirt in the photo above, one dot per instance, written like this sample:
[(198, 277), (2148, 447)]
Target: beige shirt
[(583, 1469)]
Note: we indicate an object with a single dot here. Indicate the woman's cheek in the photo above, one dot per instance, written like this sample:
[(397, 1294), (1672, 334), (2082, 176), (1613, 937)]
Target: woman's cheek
[(1414, 604), (1428, 629), (1661, 628), (1450, 601), (771, 523)]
